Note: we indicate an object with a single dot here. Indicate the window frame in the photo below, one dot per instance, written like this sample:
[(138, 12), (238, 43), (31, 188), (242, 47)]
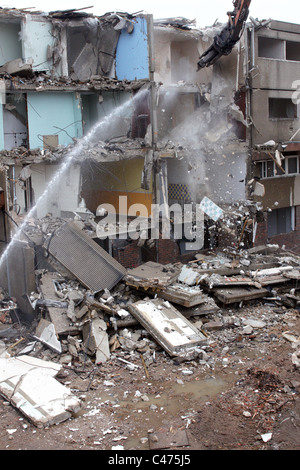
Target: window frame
[(289, 219), (264, 169), (282, 118), (284, 43)]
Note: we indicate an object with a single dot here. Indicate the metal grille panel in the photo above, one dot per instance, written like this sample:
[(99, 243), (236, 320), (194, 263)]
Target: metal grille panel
[(85, 259)]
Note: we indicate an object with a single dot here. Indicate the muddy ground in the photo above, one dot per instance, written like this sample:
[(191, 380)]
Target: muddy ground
[(242, 394)]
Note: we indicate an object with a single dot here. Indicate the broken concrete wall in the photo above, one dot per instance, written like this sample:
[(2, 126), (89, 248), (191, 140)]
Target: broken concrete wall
[(30, 386), (184, 55), (27, 39), (280, 192), (80, 47), (278, 129), (63, 196), (176, 53), (91, 46), (108, 102), (202, 117), (175, 104), (214, 160), (17, 275), (227, 171), (36, 39), (4, 225)]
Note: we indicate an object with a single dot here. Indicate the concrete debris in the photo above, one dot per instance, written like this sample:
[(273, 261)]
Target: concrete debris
[(30, 386), (172, 308), (171, 329), (188, 276), (96, 339), (151, 274), (17, 67), (58, 315), (45, 333)]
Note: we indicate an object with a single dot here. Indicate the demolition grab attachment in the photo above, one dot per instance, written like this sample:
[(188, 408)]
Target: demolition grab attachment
[(229, 36)]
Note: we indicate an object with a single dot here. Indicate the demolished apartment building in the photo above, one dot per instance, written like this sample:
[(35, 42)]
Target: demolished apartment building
[(120, 100), (193, 135), (60, 74), (105, 116), (239, 129)]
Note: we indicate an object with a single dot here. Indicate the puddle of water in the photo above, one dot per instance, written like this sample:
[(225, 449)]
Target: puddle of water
[(169, 396), (172, 400), (175, 401)]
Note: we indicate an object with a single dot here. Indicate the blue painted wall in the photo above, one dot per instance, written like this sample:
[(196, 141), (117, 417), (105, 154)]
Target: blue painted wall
[(132, 58), (37, 36), (53, 113), (1, 127)]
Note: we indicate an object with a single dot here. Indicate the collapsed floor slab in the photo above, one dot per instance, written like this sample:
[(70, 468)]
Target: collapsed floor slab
[(157, 280)]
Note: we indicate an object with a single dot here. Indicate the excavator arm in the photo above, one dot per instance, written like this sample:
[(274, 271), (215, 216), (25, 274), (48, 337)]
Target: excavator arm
[(229, 36)]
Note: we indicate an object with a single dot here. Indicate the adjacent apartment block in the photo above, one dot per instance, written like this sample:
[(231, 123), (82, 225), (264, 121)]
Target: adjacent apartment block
[(273, 71)]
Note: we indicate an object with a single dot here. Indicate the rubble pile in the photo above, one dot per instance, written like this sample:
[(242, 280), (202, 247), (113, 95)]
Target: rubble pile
[(8, 308), (174, 310)]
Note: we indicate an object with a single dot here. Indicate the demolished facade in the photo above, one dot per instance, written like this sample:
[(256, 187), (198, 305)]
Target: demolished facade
[(192, 135), (104, 119)]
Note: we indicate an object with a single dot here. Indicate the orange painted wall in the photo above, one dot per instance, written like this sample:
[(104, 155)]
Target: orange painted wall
[(95, 198)]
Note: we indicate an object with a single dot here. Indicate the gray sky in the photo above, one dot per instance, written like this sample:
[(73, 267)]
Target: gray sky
[(204, 11)]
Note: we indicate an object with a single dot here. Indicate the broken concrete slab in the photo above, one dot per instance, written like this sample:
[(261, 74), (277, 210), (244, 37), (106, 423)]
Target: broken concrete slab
[(168, 327), (157, 279), (189, 276), (46, 334), (202, 309), (86, 63), (58, 315), (41, 398), (12, 366), (151, 274), (18, 67), (17, 275), (82, 312), (270, 280), (271, 272), (294, 274), (216, 280), (96, 341), (29, 384), (236, 295), (187, 296)]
